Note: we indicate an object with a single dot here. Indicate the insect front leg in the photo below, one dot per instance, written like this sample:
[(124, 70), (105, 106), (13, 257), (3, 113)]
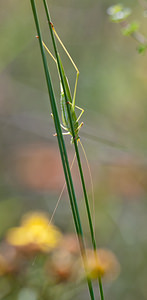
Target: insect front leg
[(63, 127), (82, 111), (80, 126), (64, 133), (55, 134)]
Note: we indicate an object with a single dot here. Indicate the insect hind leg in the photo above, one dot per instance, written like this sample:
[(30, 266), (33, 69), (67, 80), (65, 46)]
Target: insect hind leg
[(73, 63)]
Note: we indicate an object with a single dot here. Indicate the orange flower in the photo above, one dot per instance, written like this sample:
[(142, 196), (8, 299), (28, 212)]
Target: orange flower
[(4, 267), (102, 263), (70, 243), (10, 261), (63, 266)]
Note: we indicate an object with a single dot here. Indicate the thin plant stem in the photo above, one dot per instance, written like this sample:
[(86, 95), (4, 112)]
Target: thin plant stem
[(140, 38), (72, 129), (74, 140), (101, 288), (63, 152)]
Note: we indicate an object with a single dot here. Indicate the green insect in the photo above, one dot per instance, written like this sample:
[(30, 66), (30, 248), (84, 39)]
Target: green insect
[(65, 118), (71, 101)]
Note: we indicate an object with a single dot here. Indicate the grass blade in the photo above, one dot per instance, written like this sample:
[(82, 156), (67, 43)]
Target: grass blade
[(62, 148), (75, 142)]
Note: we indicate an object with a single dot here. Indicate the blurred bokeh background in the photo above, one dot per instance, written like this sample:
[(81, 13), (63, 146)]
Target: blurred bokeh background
[(112, 89)]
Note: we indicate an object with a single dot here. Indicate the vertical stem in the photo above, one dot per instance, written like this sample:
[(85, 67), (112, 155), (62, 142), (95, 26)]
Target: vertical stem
[(75, 141), (63, 152), (101, 288), (72, 129)]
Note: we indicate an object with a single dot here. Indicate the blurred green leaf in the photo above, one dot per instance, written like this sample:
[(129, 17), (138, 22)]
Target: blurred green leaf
[(4, 287), (9, 211), (130, 28), (28, 294), (118, 13), (142, 48)]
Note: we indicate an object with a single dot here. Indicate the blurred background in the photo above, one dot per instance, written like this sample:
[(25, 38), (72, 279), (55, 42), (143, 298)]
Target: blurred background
[(112, 90)]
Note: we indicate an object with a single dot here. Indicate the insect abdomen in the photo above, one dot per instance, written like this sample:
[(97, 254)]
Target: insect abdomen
[(65, 118)]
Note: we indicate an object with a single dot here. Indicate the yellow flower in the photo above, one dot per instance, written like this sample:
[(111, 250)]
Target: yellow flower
[(36, 231), (35, 219), (102, 263)]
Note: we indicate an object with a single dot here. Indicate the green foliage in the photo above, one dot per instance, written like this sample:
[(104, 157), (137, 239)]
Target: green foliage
[(118, 13), (130, 28), (142, 48)]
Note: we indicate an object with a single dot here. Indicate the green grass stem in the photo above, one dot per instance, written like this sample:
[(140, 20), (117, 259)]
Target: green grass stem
[(62, 148), (75, 142)]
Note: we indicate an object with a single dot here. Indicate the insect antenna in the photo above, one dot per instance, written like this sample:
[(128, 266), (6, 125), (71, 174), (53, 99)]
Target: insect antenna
[(92, 188), (60, 196)]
